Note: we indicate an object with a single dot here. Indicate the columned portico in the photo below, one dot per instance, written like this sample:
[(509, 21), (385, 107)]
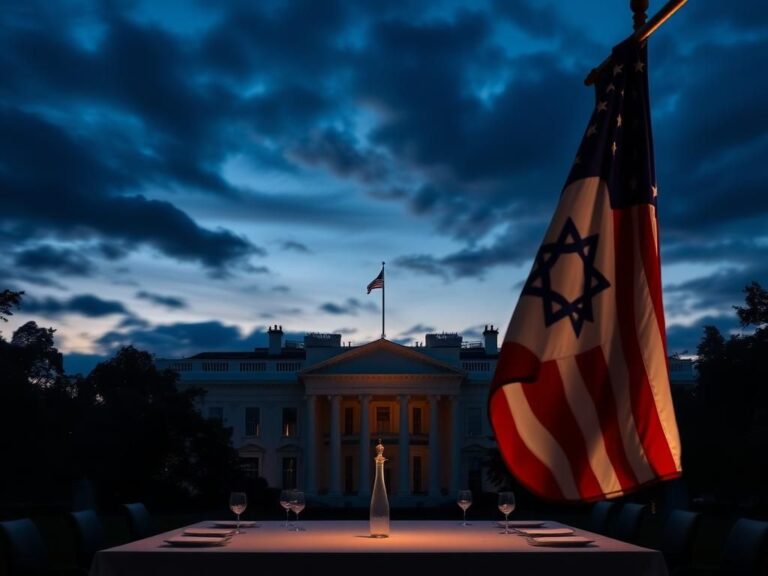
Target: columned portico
[(404, 486), (457, 436)]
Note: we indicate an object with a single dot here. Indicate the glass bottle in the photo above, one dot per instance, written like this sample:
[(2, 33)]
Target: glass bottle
[(379, 519)]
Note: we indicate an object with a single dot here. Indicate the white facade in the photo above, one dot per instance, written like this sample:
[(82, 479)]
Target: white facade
[(308, 415)]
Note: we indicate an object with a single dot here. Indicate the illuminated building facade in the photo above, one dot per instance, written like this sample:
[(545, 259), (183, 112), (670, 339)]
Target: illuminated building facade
[(308, 414)]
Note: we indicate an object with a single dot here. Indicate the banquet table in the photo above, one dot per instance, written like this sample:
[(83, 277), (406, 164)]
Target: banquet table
[(414, 547)]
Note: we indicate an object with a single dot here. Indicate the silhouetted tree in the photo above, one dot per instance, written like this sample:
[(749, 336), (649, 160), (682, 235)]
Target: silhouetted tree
[(8, 300), (728, 446)]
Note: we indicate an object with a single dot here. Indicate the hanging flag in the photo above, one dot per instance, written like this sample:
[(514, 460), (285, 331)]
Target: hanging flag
[(377, 282), (580, 401)]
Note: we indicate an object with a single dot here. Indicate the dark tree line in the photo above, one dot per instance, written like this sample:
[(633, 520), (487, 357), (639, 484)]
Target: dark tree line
[(126, 428)]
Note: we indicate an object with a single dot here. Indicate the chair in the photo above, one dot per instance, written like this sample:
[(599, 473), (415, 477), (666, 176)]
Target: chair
[(139, 521), (628, 522), (746, 549), (600, 515), (677, 539), (24, 549), (89, 536)]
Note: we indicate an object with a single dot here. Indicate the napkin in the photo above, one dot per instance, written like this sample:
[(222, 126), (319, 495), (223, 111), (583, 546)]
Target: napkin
[(545, 531), (560, 541), (208, 532)]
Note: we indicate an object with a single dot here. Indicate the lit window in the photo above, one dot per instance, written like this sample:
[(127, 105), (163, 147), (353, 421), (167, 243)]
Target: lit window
[(290, 422), (382, 419)]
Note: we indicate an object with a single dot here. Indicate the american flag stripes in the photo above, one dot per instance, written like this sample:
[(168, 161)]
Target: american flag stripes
[(377, 282), (580, 402)]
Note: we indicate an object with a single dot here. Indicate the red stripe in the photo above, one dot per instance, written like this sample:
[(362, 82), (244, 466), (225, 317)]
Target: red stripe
[(594, 371), (647, 422), (516, 363), (550, 406), (520, 461), (652, 267)]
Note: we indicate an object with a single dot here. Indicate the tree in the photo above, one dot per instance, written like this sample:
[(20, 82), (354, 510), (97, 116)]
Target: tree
[(729, 440)]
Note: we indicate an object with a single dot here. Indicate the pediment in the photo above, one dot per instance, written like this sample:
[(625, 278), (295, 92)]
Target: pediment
[(382, 357)]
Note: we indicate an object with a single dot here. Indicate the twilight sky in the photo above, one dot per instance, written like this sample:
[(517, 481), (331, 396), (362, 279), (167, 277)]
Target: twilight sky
[(178, 175)]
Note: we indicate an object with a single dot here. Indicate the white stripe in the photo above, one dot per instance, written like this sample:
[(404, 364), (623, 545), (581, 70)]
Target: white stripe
[(539, 441), (583, 408), (652, 350), (633, 447)]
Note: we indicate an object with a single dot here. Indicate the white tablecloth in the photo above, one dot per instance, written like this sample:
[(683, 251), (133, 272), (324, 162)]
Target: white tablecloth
[(344, 547)]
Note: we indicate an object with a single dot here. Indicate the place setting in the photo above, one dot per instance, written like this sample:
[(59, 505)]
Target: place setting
[(220, 532)]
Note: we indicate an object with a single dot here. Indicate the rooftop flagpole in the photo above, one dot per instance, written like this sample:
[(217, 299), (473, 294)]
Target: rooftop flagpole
[(383, 287), (643, 30)]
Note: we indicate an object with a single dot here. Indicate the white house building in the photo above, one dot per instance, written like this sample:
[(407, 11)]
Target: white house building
[(308, 414)]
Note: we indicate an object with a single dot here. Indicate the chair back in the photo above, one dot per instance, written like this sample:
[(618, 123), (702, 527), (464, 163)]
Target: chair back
[(746, 548), (677, 537), (600, 516), (25, 551), (139, 521), (628, 521), (89, 536)]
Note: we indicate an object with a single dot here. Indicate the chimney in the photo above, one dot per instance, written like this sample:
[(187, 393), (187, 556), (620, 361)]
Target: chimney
[(275, 340), (490, 335)]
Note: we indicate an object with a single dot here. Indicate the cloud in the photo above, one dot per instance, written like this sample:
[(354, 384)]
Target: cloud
[(170, 302), (352, 306), (294, 246), (86, 305), (66, 261), (417, 329)]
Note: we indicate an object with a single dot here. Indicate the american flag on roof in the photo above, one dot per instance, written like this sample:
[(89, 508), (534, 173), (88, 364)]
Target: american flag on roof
[(377, 282), (580, 401)]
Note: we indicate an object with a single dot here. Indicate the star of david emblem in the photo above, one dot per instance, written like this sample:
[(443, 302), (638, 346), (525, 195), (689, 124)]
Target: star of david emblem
[(539, 283)]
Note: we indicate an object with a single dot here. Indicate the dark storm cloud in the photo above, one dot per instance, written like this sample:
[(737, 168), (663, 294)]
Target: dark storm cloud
[(66, 261), (72, 197), (86, 305), (340, 152), (170, 302), (352, 306)]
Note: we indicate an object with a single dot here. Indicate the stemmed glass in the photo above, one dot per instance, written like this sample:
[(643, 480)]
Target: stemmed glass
[(237, 503), (285, 502), (464, 500), (297, 505), (506, 506)]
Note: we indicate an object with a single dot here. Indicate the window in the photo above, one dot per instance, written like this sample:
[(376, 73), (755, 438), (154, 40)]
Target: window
[(289, 472), (382, 419), (349, 420), (250, 467), (417, 474), (474, 421), (216, 413), (290, 420), (252, 421), (416, 420)]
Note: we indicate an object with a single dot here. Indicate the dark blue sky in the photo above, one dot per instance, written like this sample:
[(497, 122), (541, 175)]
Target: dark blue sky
[(179, 175)]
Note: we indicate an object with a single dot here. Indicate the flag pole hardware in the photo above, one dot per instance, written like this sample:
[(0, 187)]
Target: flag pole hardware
[(643, 29)]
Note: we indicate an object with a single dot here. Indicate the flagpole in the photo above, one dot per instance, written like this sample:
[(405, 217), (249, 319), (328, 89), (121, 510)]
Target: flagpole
[(643, 30), (383, 287)]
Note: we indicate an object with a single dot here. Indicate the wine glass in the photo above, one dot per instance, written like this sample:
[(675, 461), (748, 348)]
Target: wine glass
[(464, 500), (297, 503), (506, 506), (237, 503), (285, 502)]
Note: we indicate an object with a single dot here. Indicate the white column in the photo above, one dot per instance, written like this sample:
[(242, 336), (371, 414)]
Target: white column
[(434, 447), (335, 470), (457, 439), (364, 486), (310, 459), (404, 485)]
